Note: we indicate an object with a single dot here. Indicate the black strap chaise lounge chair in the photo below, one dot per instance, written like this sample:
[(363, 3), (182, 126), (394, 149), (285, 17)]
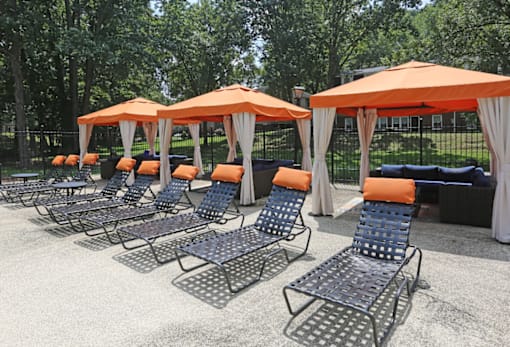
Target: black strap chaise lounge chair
[(55, 174), (280, 220), (358, 275), (84, 171), (29, 194), (213, 209), (169, 200), (114, 185), (68, 213)]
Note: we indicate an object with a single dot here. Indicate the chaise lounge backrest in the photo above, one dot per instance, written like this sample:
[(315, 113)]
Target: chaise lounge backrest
[(225, 183), (174, 191), (385, 219), (283, 206)]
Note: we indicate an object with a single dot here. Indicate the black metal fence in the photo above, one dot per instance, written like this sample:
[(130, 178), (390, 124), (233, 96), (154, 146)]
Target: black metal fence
[(448, 146)]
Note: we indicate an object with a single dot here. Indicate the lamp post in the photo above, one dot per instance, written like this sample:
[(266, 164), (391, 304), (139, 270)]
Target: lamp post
[(297, 94)]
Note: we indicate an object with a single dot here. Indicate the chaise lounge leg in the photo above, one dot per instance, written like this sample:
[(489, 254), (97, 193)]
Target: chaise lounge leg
[(300, 308)]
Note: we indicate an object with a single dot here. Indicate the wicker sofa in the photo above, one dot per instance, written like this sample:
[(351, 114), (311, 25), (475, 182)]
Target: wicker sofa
[(263, 173), (465, 195)]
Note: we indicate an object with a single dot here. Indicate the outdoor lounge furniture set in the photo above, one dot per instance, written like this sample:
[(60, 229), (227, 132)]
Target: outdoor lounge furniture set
[(354, 278), (465, 195)]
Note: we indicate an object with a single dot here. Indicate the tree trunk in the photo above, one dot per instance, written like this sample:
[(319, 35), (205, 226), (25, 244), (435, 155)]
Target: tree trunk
[(70, 120), (89, 80), (14, 55)]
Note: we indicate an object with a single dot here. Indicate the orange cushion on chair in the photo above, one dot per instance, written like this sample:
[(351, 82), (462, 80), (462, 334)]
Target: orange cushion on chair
[(90, 158), (186, 172), (126, 164), (72, 159), (293, 178), (389, 189), (228, 173), (148, 167), (58, 160)]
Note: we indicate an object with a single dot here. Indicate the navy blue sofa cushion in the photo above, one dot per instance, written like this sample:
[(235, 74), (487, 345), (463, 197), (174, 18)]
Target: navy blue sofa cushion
[(395, 171), (461, 174), (421, 172)]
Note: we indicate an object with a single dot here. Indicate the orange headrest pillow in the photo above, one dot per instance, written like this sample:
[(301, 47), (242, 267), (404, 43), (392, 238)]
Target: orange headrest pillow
[(228, 173), (293, 178), (126, 164), (90, 158), (148, 167), (58, 160), (389, 189), (186, 172), (72, 159)]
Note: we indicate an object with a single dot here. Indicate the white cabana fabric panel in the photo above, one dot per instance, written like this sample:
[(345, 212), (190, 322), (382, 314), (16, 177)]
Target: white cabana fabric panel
[(495, 113), (322, 201), (304, 128), (366, 121), (231, 135), (127, 134), (165, 137), (85, 132), (244, 124), (493, 159), (194, 130), (150, 130)]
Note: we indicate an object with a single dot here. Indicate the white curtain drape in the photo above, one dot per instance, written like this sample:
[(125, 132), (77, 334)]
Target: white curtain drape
[(244, 124), (322, 201), (194, 130), (493, 159), (85, 132), (366, 120), (304, 128), (495, 115), (127, 134), (150, 130), (165, 137), (231, 135)]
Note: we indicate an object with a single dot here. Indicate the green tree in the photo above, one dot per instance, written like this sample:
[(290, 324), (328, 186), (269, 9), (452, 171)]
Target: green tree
[(204, 46), (311, 42)]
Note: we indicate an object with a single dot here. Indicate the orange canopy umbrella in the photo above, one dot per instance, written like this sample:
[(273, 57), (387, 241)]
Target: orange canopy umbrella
[(414, 88), (139, 110), (214, 105)]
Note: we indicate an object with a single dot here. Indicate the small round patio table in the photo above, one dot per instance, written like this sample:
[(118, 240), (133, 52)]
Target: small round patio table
[(69, 186), (25, 175)]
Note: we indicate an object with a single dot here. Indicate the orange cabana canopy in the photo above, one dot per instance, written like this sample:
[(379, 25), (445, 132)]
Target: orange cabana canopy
[(214, 105), (139, 110), (414, 88)]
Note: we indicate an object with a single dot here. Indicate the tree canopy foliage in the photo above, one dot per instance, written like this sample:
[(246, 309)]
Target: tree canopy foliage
[(64, 58)]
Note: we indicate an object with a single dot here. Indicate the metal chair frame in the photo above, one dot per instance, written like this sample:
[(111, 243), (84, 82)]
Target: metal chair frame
[(213, 209), (68, 213), (358, 275), (111, 189), (280, 220), (168, 201)]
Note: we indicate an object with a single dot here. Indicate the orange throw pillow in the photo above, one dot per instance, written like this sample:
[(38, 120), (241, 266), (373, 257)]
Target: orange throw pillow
[(58, 160), (90, 158), (186, 172), (293, 178), (72, 159), (389, 189), (148, 167), (126, 164), (228, 173)]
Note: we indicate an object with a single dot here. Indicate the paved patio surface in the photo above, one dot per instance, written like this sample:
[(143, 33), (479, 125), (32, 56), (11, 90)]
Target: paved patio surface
[(59, 288)]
